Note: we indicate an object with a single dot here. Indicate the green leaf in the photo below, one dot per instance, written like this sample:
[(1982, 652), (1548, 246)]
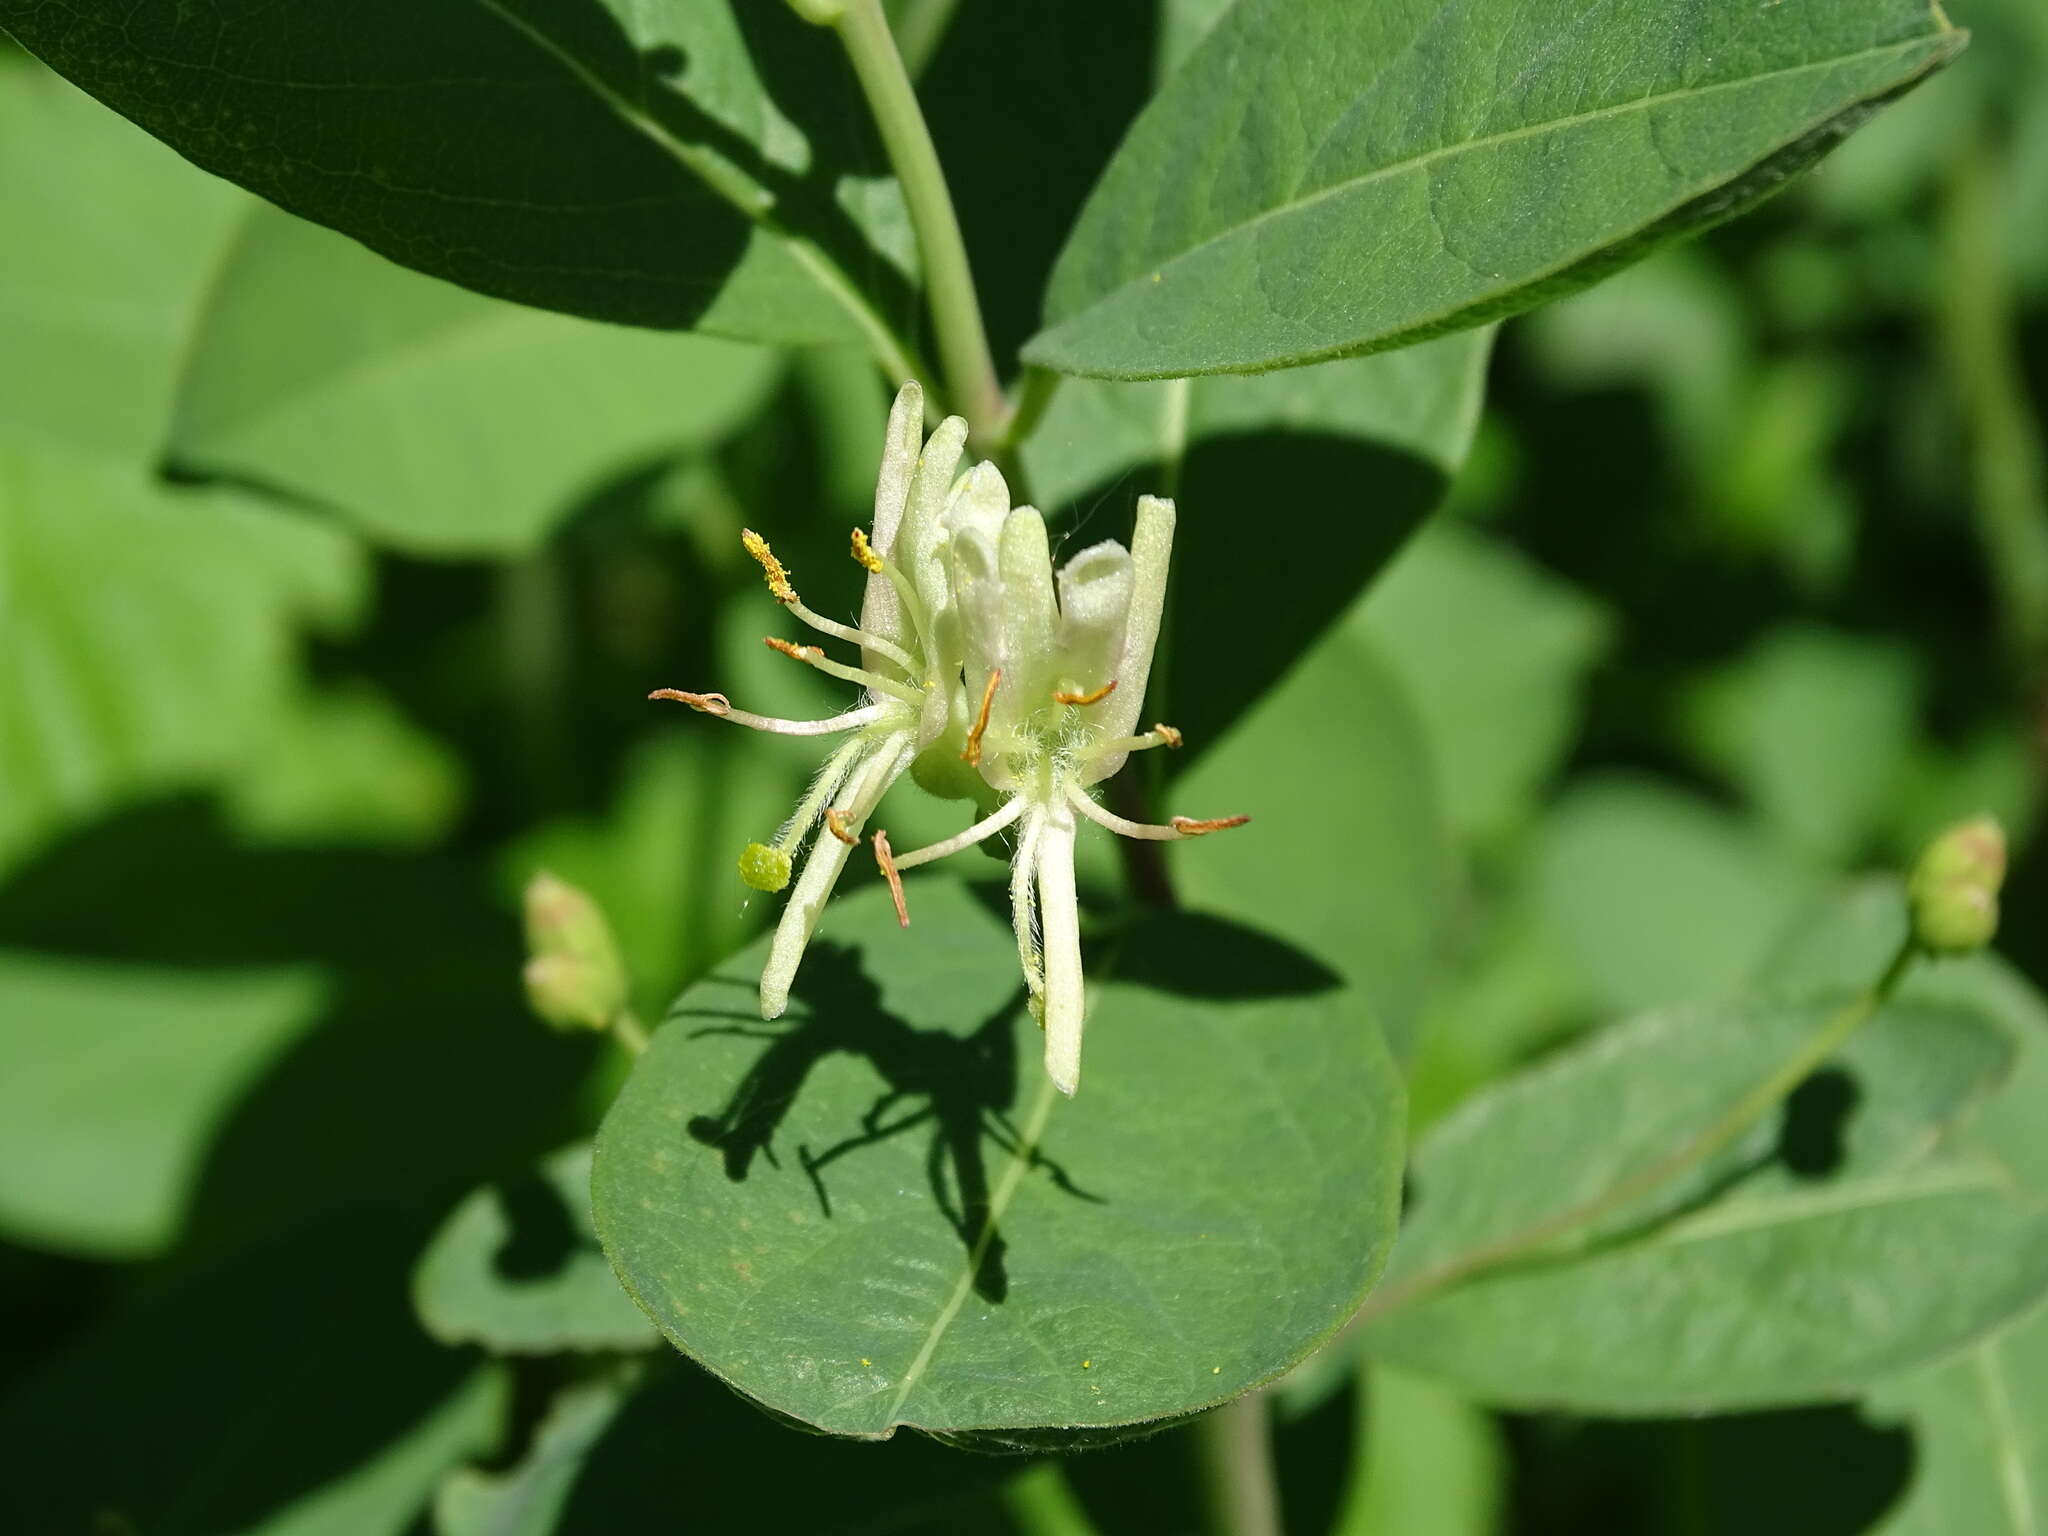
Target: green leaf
[(1815, 728), (1347, 854), (438, 421), (1656, 896), (114, 1081), (1980, 1427), (873, 1214), (516, 1268), (96, 305), (1822, 1253), (148, 638), (287, 1394), (627, 1451), (705, 165), (1319, 181), (1344, 460), (1499, 699)]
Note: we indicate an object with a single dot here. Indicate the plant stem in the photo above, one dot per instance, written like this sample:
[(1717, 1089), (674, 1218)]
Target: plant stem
[(2008, 468), (1688, 1154), (1237, 1460), (1040, 1502), (920, 28), (970, 369), (630, 1032)]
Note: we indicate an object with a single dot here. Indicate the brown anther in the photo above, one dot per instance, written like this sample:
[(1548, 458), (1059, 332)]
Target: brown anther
[(1060, 696), (886, 857), (791, 649), (971, 753), (864, 553), (835, 823), (1169, 735), (778, 578), (704, 703), (1187, 826)]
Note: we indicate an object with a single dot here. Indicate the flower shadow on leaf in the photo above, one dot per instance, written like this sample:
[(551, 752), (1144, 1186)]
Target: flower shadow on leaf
[(958, 1090)]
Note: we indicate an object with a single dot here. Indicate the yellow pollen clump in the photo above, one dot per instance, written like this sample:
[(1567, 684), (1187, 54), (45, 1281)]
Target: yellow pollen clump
[(864, 553), (778, 578)]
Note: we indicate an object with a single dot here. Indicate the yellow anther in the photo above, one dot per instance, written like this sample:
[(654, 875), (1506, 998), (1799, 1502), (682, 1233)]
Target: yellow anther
[(703, 703), (864, 553), (1187, 826), (885, 856), (1060, 696), (835, 823), (778, 578), (971, 754), (791, 649), (1167, 734)]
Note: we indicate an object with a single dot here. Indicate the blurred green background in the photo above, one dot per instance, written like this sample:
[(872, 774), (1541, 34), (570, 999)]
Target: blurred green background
[(329, 600)]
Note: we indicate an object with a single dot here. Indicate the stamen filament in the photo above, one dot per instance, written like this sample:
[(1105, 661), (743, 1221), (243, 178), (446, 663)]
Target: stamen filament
[(971, 753), (719, 705), (812, 656), (1158, 736), (885, 857), (985, 828), (1096, 696), (854, 635), (822, 789), (1176, 828)]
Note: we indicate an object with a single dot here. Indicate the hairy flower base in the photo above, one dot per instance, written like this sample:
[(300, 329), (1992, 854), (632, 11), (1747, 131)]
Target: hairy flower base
[(985, 672)]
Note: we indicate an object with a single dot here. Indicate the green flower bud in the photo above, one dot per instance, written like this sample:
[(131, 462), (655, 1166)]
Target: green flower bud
[(574, 978), (764, 868), (823, 13), (1954, 888)]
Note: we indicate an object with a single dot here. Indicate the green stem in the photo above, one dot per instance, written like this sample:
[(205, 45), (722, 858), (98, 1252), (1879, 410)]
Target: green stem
[(920, 28), (2008, 468), (1688, 1154), (630, 1032), (1237, 1462), (1041, 1502), (1034, 394), (970, 369)]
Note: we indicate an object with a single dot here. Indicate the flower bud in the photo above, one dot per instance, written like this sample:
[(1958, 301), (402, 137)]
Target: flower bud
[(1954, 888), (822, 13), (574, 978)]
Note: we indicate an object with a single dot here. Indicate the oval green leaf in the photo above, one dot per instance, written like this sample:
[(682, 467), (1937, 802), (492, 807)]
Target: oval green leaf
[(1323, 179), (873, 1213)]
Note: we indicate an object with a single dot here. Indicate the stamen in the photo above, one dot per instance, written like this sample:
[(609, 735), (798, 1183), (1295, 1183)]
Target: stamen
[(854, 636), (1059, 696), (717, 704), (864, 553), (971, 754), (830, 777), (1178, 827), (812, 656), (983, 829), (835, 823), (1158, 736), (1188, 826), (885, 858), (704, 703), (778, 578)]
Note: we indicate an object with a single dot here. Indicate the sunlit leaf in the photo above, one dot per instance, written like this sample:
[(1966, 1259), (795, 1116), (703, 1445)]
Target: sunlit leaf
[(706, 165), (873, 1214), (1322, 180)]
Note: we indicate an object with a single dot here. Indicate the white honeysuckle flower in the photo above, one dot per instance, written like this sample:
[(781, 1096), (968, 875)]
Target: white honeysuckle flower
[(990, 677)]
